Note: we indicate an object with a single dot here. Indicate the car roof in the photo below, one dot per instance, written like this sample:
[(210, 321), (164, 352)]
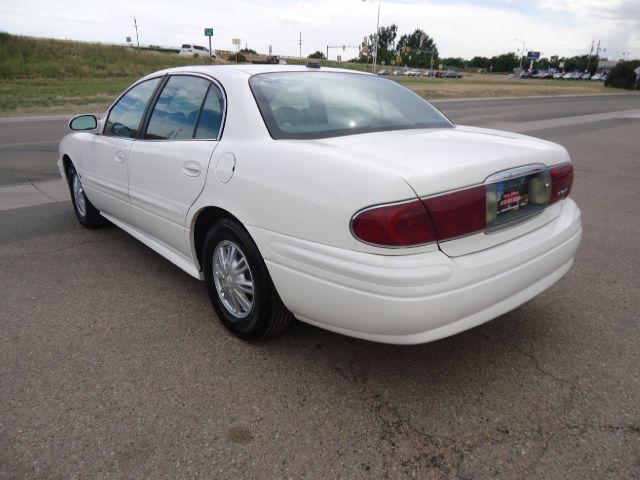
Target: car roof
[(235, 70)]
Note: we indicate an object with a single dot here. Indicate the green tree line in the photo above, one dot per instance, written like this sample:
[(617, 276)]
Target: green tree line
[(419, 50)]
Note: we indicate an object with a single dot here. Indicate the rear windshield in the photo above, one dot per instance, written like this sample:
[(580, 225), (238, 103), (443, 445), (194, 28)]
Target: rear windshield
[(309, 105)]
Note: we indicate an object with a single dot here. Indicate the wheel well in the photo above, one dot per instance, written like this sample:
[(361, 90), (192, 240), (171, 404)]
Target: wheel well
[(207, 217), (67, 163)]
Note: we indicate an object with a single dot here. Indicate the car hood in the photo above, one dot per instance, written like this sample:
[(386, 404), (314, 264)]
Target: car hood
[(438, 160)]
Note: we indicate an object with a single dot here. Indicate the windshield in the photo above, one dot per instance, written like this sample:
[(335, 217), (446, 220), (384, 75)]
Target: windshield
[(309, 105)]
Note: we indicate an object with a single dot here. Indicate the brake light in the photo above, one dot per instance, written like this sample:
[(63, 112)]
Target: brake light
[(561, 182), (458, 213), (463, 212), (399, 225)]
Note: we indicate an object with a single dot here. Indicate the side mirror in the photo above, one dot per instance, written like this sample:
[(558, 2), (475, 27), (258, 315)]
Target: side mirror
[(83, 123)]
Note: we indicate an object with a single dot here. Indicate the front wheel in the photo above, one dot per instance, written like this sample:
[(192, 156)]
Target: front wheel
[(239, 285), (88, 215)]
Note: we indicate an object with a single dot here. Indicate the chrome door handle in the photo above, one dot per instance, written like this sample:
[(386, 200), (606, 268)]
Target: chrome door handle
[(191, 169), (120, 157)]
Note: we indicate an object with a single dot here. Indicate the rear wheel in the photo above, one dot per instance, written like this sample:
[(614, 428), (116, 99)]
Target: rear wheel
[(239, 284), (88, 215)]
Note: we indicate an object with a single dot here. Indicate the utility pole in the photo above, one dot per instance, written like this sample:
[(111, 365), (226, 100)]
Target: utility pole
[(591, 52), (300, 44), (135, 23), (521, 53), (597, 59)]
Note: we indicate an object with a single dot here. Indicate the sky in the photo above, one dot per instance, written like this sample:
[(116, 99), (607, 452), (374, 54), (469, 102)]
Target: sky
[(461, 28)]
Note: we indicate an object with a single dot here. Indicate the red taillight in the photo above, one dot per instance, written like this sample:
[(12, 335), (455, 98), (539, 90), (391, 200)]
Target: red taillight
[(399, 225), (458, 213), (561, 182)]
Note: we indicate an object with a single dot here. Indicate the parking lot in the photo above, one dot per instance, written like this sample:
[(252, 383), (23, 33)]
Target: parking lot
[(113, 365)]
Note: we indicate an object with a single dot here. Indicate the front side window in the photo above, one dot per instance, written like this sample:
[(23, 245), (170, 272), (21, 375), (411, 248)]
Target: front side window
[(177, 110), (126, 115), (308, 105)]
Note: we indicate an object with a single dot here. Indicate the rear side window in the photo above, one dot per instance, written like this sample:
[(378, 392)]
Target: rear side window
[(186, 46), (177, 110), (211, 116), (126, 115)]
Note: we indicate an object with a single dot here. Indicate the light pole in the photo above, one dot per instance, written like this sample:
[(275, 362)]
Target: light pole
[(375, 47), (522, 53)]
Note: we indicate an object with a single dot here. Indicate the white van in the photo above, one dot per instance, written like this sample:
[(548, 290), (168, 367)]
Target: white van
[(196, 51)]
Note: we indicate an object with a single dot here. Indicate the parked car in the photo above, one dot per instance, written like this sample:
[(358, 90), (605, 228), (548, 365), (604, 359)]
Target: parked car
[(452, 74), (196, 51), (598, 77), (382, 72), (558, 75), (572, 75), (306, 192), (585, 76), (412, 73), (542, 74)]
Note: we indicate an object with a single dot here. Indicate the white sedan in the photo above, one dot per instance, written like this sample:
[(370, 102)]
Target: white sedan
[(340, 198)]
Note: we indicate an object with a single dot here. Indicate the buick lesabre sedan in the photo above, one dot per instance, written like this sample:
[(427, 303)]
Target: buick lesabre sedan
[(339, 198)]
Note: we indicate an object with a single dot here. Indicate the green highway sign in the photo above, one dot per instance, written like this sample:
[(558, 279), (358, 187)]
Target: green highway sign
[(208, 32)]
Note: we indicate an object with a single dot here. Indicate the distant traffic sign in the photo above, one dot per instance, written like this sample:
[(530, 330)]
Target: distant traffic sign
[(208, 32), (533, 55), (637, 70)]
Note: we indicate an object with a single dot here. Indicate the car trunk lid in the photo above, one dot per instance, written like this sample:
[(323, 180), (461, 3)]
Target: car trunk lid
[(438, 161)]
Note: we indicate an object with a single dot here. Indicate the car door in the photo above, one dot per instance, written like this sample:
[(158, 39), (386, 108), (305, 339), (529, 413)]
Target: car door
[(105, 159), (168, 165)]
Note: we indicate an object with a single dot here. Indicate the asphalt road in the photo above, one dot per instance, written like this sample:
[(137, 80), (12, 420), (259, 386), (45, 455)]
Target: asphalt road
[(112, 363)]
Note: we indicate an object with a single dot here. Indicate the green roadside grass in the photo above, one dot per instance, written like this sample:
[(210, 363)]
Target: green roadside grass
[(50, 95)]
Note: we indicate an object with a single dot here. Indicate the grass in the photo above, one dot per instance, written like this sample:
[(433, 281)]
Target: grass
[(484, 85), (63, 95), (38, 58), (44, 76)]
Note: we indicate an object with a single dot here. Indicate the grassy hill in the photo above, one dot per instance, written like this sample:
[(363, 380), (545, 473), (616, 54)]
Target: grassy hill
[(38, 58), (38, 74)]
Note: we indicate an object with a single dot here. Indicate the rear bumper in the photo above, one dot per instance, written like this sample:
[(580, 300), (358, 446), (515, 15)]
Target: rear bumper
[(418, 298)]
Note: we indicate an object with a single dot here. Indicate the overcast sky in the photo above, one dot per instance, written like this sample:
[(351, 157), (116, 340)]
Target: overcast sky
[(462, 28)]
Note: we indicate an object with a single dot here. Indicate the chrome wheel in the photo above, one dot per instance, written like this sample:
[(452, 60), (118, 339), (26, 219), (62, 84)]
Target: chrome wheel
[(233, 279), (78, 196)]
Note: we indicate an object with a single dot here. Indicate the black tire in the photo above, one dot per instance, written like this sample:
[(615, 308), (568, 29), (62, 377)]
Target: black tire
[(88, 215), (267, 315)]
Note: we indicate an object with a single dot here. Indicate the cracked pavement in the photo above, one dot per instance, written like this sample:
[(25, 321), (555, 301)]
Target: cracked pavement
[(113, 365)]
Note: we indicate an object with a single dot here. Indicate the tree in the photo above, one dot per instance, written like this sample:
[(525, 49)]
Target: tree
[(317, 54), (505, 62), (480, 62), (421, 49), (579, 62), (248, 51), (623, 75), (386, 43), (453, 62)]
